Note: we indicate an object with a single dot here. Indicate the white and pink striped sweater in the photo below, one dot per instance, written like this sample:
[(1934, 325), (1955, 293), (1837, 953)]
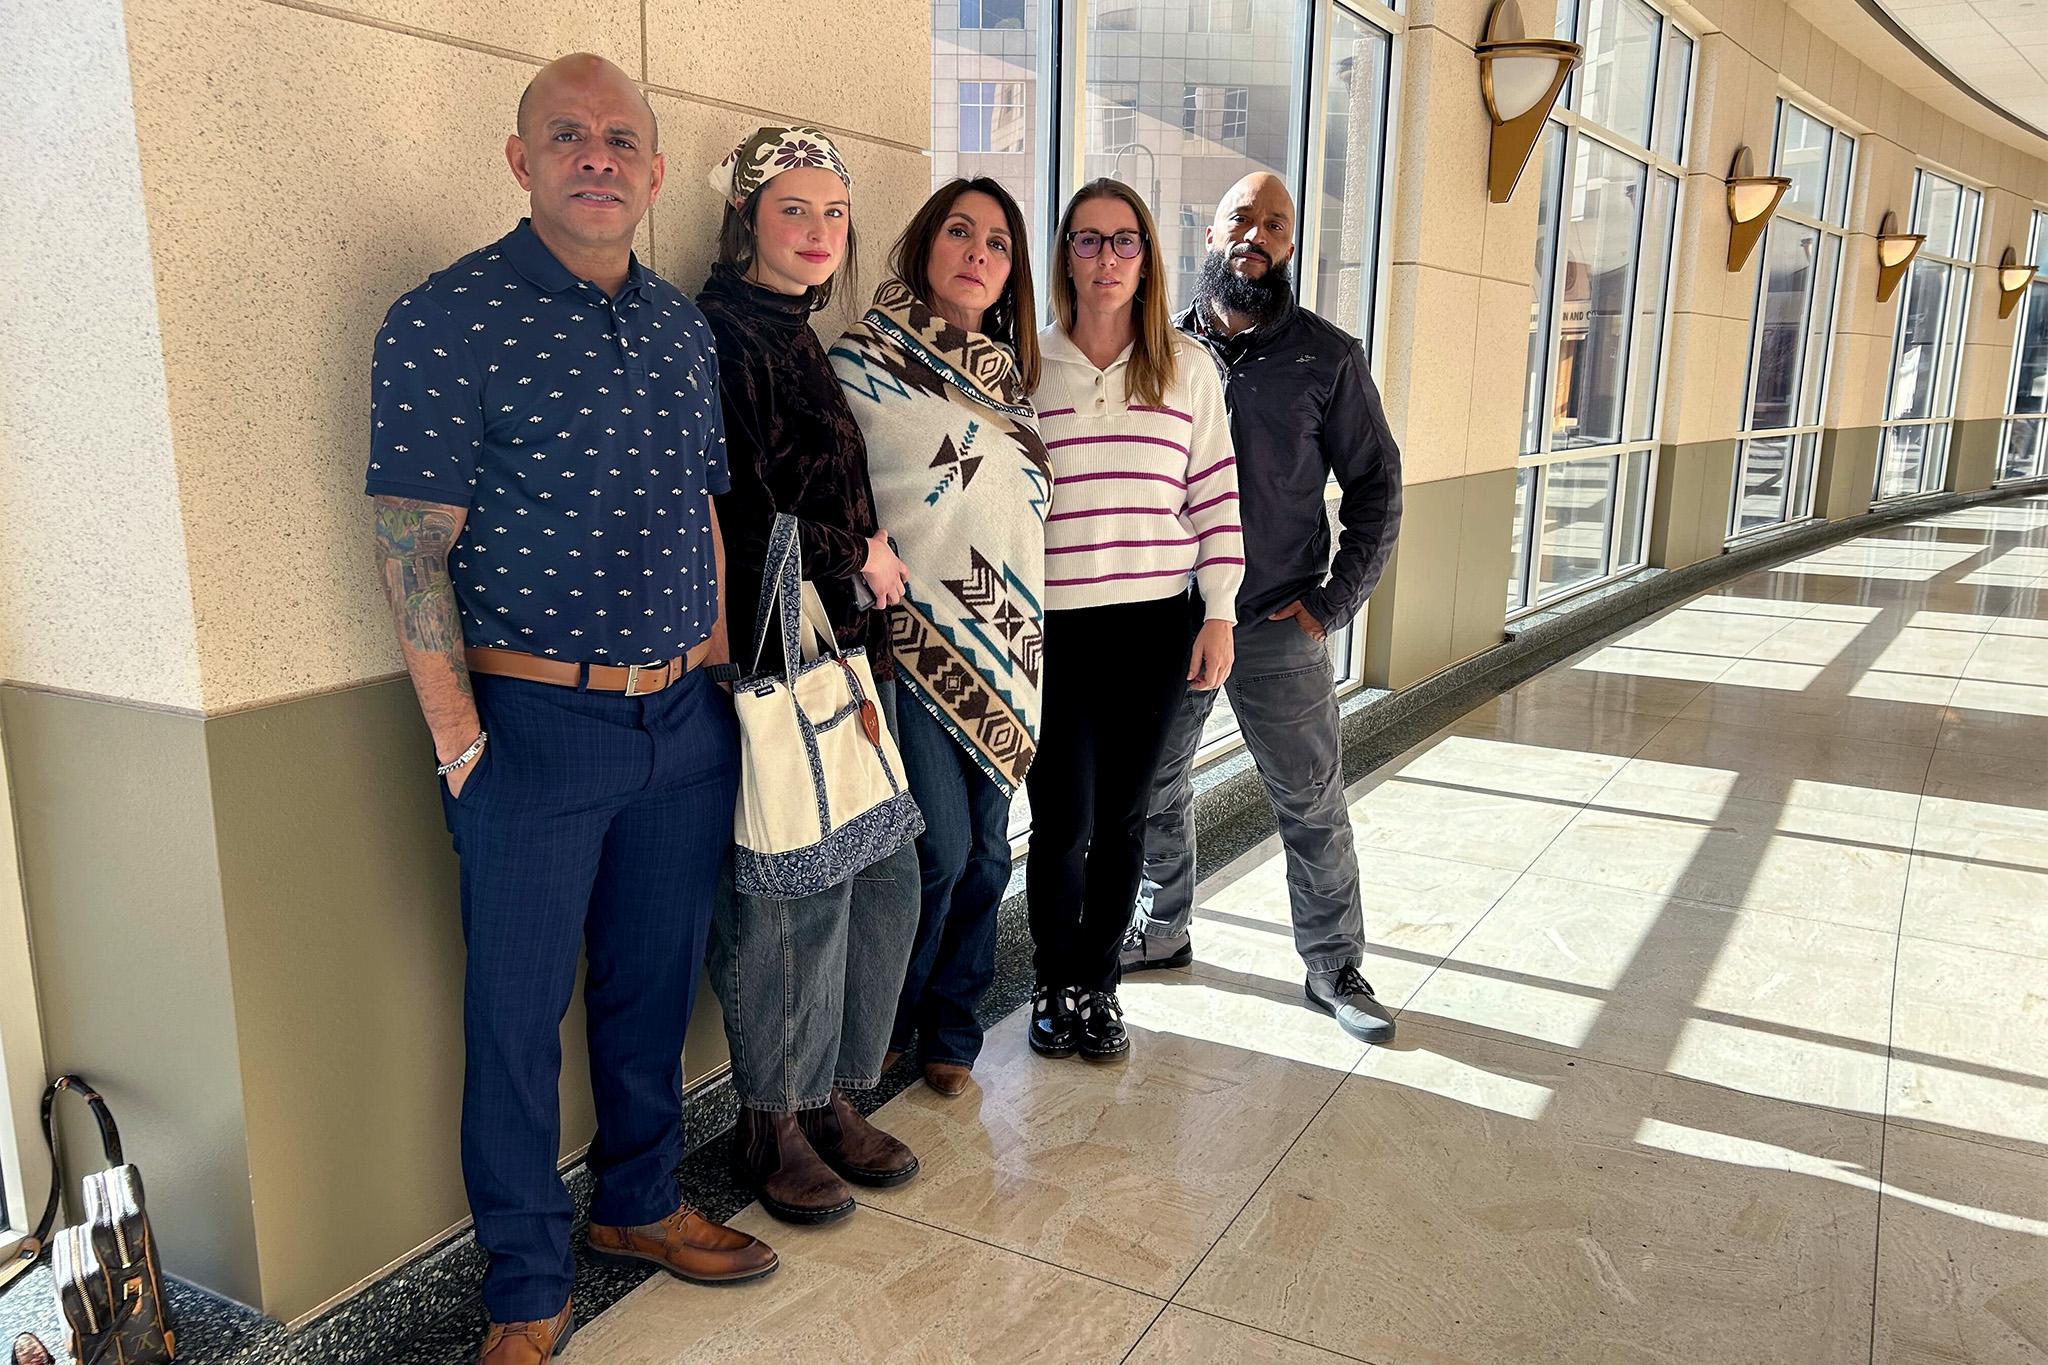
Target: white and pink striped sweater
[(1142, 496)]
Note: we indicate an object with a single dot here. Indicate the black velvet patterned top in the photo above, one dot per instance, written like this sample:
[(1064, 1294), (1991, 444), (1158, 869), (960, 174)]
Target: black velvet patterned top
[(793, 447)]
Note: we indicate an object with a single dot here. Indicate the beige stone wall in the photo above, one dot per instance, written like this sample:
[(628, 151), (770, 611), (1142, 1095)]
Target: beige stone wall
[(303, 165), (94, 594)]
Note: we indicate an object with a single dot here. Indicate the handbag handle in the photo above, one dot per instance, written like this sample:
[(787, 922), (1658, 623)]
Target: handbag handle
[(37, 1242), (782, 583)]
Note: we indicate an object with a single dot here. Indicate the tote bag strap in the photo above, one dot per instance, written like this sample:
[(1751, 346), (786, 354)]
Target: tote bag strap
[(802, 612), (785, 559)]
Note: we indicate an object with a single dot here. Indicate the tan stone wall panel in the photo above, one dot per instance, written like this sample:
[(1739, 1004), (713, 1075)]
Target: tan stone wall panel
[(1509, 251), (94, 595), (544, 29), (1494, 435), (1721, 102), (1464, 20), (1793, 51), (697, 45), (1443, 159), (1430, 363), (288, 207)]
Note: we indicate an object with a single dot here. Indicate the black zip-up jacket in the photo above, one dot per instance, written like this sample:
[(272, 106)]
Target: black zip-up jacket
[(1303, 407)]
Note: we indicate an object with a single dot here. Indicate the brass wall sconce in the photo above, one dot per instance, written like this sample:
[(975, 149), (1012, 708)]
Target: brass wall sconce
[(1895, 251), (2013, 279), (1520, 79), (1752, 200)]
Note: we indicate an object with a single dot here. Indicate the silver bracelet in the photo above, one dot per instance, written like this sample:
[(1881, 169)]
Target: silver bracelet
[(476, 746)]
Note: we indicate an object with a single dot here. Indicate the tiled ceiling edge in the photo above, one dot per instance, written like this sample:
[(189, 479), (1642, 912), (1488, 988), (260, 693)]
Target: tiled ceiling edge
[(1876, 10)]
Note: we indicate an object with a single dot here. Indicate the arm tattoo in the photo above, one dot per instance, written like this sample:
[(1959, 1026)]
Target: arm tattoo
[(413, 541)]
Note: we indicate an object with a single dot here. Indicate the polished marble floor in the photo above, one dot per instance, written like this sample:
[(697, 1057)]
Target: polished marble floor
[(1721, 956)]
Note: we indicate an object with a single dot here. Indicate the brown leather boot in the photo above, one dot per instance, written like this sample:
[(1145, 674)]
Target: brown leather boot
[(948, 1078), (771, 1157), (527, 1343), (854, 1147), (688, 1246)]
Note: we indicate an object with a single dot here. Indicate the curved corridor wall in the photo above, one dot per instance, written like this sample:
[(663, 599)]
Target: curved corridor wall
[(219, 774)]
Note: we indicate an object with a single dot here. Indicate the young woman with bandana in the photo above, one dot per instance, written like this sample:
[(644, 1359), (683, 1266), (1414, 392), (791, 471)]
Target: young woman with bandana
[(939, 375), (808, 986), (1144, 508)]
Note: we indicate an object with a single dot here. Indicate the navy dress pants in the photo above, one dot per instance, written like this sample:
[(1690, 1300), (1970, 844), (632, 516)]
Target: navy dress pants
[(594, 823)]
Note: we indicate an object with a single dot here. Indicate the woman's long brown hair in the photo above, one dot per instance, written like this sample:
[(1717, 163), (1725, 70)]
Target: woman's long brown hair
[(1153, 369), (1011, 319)]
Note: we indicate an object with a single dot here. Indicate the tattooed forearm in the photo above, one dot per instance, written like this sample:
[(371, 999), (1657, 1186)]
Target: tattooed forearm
[(413, 541)]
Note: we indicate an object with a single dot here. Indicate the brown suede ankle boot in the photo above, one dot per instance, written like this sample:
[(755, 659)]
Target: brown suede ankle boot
[(772, 1158), (854, 1147)]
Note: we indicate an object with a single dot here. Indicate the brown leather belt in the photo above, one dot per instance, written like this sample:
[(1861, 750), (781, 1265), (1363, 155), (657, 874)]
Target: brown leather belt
[(635, 680)]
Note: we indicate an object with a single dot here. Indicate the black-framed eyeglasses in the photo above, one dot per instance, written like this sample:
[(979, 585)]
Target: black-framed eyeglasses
[(1088, 245)]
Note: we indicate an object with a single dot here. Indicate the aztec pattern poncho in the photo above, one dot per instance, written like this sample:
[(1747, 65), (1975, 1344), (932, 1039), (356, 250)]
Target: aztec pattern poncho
[(963, 483)]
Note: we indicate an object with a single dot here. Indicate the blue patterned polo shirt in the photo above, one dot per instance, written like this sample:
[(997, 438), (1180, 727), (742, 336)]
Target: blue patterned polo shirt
[(582, 434)]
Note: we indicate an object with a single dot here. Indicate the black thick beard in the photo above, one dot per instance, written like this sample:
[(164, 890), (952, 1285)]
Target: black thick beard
[(1261, 300)]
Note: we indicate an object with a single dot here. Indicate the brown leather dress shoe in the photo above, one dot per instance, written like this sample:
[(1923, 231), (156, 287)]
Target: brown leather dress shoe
[(771, 1157), (688, 1246), (948, 1078), (854, 1147), (527, 1343)]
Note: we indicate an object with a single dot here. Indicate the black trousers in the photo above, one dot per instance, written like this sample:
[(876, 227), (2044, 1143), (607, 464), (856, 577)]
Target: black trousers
[(1114, 679)]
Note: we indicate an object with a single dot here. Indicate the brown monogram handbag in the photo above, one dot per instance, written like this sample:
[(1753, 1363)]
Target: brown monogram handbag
[(108, 1284)]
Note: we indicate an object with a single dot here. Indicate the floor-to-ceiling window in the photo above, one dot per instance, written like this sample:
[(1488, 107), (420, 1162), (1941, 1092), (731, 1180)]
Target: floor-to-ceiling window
[(1609, 176), (2023, 449), (1181, 98), (989, 62), (1793, 323), (1927, 349)]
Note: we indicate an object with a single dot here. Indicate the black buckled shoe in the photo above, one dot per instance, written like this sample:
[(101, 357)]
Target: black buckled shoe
[(1102, 1026), (1055, 1027)]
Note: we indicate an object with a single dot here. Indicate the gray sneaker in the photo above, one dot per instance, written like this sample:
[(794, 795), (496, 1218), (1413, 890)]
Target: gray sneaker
[(1347, 997), (1143, 952)]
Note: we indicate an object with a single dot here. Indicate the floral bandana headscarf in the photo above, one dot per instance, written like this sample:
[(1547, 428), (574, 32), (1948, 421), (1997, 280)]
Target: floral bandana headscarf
[(767, 153)]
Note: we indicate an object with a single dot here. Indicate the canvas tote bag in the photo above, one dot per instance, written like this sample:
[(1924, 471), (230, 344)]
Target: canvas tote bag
[(822, 792)]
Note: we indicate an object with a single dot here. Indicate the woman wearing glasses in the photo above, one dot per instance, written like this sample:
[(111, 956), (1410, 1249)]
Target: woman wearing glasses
[(1144, 502)]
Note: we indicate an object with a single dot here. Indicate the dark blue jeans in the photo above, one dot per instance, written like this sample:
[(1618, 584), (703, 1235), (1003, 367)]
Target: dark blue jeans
[(963, 860), (595, 823)]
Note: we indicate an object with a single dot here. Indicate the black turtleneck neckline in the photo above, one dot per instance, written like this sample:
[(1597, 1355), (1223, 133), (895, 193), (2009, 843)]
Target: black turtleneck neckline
[(792, 310)]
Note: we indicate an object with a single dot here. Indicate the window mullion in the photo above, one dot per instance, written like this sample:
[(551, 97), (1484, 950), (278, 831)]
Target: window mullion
[(1553, 308)]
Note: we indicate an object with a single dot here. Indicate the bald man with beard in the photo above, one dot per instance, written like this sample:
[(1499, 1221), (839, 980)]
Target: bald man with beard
[(1303, 410), (545, 444)]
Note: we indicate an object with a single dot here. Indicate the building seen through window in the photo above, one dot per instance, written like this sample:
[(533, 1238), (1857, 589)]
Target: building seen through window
[(1792, 323), (2023, 449), (1927, 348), (1609, 175)]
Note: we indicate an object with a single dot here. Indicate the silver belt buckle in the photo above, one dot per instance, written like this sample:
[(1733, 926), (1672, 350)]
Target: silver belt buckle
[(632, 680)]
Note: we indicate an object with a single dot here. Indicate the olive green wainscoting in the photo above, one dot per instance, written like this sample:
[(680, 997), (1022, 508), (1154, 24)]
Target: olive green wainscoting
[(248, 927)]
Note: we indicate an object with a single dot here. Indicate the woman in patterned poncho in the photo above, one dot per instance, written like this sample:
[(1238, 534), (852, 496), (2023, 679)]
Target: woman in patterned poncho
[(938, 374)]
